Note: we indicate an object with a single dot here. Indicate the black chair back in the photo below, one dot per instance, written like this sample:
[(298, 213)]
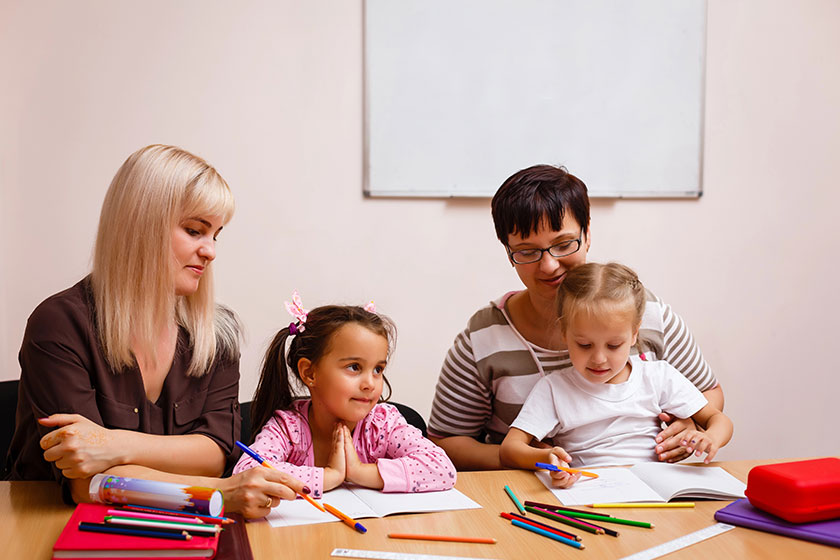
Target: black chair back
[(8, 408)]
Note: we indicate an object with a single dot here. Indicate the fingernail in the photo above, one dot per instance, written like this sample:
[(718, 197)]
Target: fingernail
[(306, 490), (42, 419)]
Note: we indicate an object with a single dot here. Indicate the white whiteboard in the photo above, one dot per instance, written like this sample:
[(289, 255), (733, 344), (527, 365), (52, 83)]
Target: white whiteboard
[(459, 94)]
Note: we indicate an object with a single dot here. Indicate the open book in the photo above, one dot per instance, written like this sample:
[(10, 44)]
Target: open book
[(649, 482), (359, 503)]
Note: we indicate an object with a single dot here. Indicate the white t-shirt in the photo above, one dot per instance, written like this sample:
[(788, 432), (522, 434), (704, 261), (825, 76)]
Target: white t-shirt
[(603, 423)]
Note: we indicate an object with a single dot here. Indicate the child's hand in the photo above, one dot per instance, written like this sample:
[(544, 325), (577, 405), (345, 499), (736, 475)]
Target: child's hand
[(363, 474), (558, 457), (336, 470), (351, 458), (699, 443)]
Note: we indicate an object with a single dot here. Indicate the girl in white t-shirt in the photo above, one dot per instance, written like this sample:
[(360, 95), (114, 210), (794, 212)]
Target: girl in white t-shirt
[(604, 409)]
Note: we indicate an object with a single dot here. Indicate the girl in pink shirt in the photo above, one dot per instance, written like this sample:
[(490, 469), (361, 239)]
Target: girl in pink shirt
[(342, 432)]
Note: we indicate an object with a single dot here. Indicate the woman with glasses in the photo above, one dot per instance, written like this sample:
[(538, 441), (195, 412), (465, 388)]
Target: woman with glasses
[(541, 215)]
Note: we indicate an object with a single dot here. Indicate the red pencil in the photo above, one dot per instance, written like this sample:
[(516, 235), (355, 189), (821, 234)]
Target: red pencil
[(446, 538), (554, 530)]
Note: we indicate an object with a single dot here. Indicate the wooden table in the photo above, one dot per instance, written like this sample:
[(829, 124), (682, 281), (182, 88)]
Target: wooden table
[(32, 517)]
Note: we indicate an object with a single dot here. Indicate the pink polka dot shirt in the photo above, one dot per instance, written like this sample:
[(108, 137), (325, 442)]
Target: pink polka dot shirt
[(406, 460)]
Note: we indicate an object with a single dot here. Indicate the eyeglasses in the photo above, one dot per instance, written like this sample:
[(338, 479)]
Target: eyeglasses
[(562, 249)]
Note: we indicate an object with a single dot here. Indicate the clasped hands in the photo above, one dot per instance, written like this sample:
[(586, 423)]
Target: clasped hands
[(344, 464)]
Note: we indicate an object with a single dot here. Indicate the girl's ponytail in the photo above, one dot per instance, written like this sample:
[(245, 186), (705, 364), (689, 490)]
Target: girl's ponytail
[(274, 390)]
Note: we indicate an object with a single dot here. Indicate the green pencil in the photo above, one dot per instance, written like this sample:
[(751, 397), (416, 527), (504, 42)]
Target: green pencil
[(516, 501), (605, 518)]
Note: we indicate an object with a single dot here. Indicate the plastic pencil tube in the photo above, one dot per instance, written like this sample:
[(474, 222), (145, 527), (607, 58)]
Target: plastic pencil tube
[(515, 500), (529, 521), (159, 517), (545, 533), (349, 521), (605, 518), (644, 505), (550, 467), (551, 507), (588, 527), (447, 538), (256, 457), (135, 532)]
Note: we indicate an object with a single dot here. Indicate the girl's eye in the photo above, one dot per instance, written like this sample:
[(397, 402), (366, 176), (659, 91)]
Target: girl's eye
[(354, 367), (378, 370), (585, 346), (614, 346), (192, 232)]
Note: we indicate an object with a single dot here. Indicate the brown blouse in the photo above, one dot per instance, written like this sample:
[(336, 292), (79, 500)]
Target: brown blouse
[(63, 370)]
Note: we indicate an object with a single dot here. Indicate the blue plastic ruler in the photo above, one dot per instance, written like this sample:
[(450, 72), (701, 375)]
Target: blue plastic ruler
[(383, 555), (681, 542)]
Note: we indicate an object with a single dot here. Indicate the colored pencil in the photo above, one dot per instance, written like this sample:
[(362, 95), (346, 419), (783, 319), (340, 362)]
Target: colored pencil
[(256, 457), (205, 518), (516, 501), (605, 519), (103, 528), (530, 521), (588, 527), (543, 532), (201, 529), (551, 507), (447, 538), (550, 467), (349, 521), (142, 515), (644, 505)]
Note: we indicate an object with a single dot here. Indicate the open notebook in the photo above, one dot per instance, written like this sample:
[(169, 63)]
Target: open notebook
[(359, 503), (649, 482)]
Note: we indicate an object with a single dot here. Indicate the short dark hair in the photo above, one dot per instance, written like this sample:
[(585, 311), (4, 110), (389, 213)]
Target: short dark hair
[(540, 192)]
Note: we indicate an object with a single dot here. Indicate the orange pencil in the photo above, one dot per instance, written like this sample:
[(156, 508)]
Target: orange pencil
[(550, 467), (349, 521), (446, 538), (256, 457)]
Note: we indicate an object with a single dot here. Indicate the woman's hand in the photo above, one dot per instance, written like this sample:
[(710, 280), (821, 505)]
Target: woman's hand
[(79, 447), (668, 442), (254, 492), (558, 457), (336, 470)]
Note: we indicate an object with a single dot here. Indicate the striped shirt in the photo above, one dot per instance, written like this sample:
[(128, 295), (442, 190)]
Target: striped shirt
[(491, 368)]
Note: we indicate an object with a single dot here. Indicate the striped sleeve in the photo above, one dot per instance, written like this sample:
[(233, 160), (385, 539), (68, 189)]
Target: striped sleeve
[(681, 351), (462, 403)]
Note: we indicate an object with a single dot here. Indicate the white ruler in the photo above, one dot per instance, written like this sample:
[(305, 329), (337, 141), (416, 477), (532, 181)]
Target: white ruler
[(350, 553), (680, 542)]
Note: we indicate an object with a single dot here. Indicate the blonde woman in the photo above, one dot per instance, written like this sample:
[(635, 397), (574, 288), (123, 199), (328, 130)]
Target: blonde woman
[(134, 371)]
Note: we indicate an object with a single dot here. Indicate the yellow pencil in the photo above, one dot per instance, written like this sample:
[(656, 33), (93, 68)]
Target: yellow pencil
[(644, 505)]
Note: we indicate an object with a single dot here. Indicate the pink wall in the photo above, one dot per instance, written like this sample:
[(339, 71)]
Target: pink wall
[(271, 93)]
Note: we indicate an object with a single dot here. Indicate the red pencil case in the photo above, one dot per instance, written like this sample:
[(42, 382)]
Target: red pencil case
[(798, 491)]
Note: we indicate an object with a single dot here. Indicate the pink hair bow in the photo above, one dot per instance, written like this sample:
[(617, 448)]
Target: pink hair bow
[(370, 307), (296, 310)]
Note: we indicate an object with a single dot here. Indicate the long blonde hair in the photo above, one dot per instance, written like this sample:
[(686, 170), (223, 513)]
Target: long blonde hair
[(133, 268)]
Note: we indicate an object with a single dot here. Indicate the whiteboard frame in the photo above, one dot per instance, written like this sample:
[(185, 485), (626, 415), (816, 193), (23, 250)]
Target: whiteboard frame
[(371, 190)]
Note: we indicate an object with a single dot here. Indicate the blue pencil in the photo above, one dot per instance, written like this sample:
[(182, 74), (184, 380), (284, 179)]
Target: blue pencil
[(544, 533), (516, 501), (102, 528)]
